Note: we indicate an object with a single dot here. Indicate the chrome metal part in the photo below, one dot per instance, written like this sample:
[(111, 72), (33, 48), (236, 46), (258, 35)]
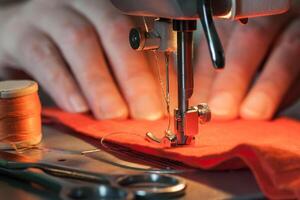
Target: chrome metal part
[(162, 186), (160, 37), (106, 192), (152, 138), (187, 9), (142, 40), (168, 37), (169, 140), (190, 125), (185, 77), (204, 113)]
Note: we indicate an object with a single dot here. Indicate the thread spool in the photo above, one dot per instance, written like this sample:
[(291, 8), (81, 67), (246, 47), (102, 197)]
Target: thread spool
[(20, 114)]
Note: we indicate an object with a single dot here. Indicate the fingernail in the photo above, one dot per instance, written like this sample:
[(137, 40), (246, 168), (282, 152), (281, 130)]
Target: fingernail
[(113, 113), (110, 107), (78, 104), (147, 107), (154, 116), (147, 113), (257, 107), (223, 105)]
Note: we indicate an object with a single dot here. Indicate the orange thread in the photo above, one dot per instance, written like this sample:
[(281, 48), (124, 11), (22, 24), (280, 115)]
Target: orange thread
[(20, 121)]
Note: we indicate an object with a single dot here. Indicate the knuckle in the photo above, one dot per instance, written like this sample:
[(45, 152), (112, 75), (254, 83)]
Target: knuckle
[(136, 76), (233, 82), (291, 38), (138, 88), (96, 74), (57, 76), (289, 74), (284, 78), (286, 73), (269, 84), (239, 76), (91, 80), (38, 49), (75, 34)]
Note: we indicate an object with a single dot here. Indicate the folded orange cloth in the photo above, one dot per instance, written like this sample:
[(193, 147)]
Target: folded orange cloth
[(271, 149)]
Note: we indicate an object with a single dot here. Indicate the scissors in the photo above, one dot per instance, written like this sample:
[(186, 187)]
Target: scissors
[(92, 185)]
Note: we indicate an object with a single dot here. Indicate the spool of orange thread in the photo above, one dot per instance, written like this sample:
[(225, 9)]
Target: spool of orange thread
[(20, 114)]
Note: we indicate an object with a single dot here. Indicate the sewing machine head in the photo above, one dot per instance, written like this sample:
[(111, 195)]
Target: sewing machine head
[(172, 31), (187, 9)]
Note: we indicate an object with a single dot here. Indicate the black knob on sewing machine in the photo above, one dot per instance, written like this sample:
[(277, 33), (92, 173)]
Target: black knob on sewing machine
[(143, 40), (135, 38), (212, 37)]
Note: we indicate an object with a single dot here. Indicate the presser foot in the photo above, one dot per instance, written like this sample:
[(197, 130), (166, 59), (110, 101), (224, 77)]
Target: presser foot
[(169, 140), (186, 127)]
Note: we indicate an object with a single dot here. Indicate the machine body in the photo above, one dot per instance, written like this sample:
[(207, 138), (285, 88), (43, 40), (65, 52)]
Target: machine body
[(172, 31), (187, 9)]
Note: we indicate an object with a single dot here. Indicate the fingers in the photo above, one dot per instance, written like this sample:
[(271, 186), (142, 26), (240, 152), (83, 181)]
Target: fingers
[(130, 67), (79, 44), (204, 75), (279, 74), (245, 52), (42, 60), (204, 71)]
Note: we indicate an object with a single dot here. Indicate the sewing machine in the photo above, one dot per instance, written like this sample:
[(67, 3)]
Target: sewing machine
[(175, 20), (172, 32)]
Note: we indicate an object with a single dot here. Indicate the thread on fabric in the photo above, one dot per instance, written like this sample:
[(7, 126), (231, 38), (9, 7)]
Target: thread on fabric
[(105, 142), (20, 114)]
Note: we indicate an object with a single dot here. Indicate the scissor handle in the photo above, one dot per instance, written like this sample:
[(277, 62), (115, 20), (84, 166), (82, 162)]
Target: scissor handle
[(153, 186), (93, 192)]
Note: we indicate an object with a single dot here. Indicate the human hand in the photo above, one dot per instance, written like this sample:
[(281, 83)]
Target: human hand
[(79, 53), (270, 42)]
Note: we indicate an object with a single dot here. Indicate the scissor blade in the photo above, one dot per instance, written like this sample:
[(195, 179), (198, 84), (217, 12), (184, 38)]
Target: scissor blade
[(14, 161)]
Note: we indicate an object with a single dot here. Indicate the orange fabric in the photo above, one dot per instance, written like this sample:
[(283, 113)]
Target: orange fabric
[(271, 149)]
